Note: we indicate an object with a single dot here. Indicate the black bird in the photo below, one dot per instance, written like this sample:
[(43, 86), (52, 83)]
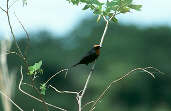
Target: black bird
[(91, 56)]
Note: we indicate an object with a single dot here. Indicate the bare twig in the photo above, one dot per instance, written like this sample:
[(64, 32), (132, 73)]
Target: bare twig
[(68, 92), (33, 97), (87, 104), (107, 24), (27, 35), (117, 80), (79, 98), (105, 30), (21, 54), (11, 101), (79, 95), (9, 22), (85, 87), (155, 69), (3, 9), (56, 74), (27, 84)]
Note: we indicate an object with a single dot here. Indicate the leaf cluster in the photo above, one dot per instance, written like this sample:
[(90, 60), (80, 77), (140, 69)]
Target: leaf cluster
[(43, 88), (35, 69), (108, 8)]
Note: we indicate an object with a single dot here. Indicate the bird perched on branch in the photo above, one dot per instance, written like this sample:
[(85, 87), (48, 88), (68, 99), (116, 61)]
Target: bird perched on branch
[(91, 56)]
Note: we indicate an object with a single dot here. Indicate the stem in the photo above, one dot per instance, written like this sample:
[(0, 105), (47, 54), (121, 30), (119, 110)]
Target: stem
[(41, 98), (85, 87), (119, 79), (9, 22), (105, 30), (33, 97), (27, 35), (55, 75), (3, 9), (79, 103), (14, 38), (22, 56)]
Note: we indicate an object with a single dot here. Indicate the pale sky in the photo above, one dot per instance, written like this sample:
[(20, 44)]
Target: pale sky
[(60, 17)]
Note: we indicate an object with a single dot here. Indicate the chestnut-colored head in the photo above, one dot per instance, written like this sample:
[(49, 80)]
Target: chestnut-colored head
[(97, 49)]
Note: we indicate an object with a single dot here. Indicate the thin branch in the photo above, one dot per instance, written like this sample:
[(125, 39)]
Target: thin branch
[(11, 101), (114, 14), (27, 84), (27, 35), (10, 52), (33, 97), (68, 92), (14, 38), (117, 80), (155, 70), (30, 86), (3, 9), (105, 30), (55, 75), (79, 98), (85, 87), (21, 54), (79, 95), (87, 104)]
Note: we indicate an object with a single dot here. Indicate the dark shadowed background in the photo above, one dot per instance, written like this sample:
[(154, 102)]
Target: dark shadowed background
[(125, 47)]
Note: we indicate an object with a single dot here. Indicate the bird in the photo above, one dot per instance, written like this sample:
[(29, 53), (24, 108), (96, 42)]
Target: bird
[(90, 57)]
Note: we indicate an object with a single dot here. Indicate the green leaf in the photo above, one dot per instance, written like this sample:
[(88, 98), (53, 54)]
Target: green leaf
[(37, 65), (86, 7), (135, 7), (24, 2), (99, 17), (35, 68), (97, 11), (43, 89), (115, 20), (92, 7), (111, 4), (75, 2), (124, 10), (128, 1), (31, 70), (95, 2), (105, 8), (105, 13)]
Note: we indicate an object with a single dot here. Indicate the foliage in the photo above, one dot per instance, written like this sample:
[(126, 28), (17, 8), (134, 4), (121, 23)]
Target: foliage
[(24, 2), (35, 69), (125, 48), (109, 8), (43, 89)]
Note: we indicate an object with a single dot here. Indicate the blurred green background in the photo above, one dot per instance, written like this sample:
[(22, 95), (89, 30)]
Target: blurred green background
[(125, 47)]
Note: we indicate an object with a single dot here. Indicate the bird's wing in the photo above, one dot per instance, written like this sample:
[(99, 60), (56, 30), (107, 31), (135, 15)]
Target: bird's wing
[(87, 58), (92, 51)]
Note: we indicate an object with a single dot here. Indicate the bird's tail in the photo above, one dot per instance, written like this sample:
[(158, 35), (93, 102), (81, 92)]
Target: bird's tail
[(69, 68), (73, 66)]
